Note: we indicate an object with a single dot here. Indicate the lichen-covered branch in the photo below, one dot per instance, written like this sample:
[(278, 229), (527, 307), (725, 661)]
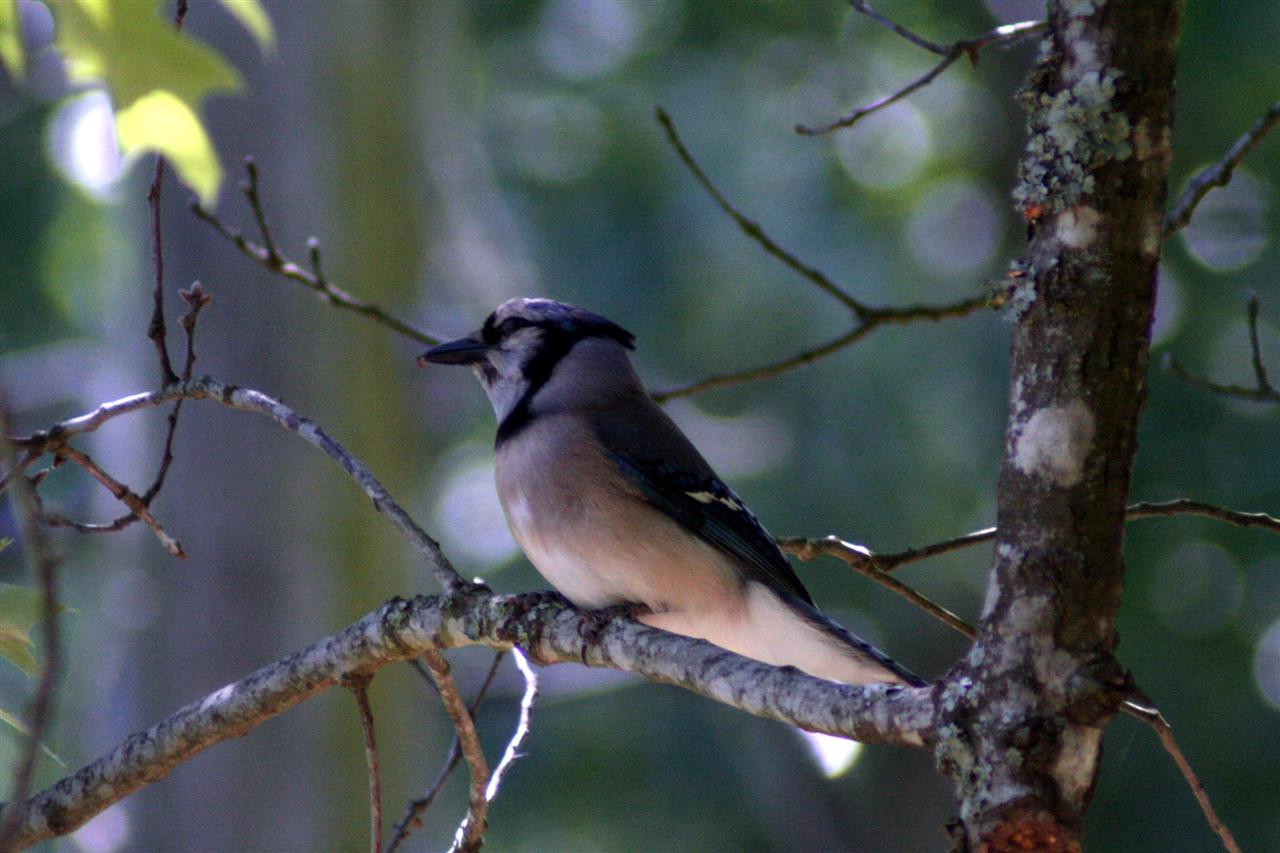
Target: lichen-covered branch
[(401, 630)]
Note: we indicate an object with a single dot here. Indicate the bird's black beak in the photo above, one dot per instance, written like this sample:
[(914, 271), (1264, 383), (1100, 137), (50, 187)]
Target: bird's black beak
[(468, 350)]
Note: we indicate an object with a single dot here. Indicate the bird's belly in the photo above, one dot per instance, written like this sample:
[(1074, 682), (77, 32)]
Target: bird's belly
[(642, 559)]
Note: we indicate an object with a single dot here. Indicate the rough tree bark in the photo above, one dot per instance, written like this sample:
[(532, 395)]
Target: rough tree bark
[(1021, 718)]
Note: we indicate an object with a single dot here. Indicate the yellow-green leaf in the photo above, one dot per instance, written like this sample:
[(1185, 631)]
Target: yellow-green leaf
[(157, 77), (20, 609), (253, 18), (6, 717), (11, 54), (134, 51), (159, 121)]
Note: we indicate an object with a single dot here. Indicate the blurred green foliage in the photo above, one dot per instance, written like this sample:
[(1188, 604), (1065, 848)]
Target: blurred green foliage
[(450, 155)]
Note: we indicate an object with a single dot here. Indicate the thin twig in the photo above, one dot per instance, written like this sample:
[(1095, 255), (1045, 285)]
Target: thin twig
[(522, 729), (359, 687), (868, 564), (122, 493), (873, 319), (1151, 715), (1185, 506), (245, 399), (1219, 174), (1263, 390), (470, 834), (865, 563), (250, 190), (271, 258), (44, 566), (752, 228), (414, 809), (156, 329), (17, 468), (949, 53)]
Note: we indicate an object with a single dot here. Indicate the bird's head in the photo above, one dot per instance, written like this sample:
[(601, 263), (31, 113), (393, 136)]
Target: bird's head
[(520, 345)]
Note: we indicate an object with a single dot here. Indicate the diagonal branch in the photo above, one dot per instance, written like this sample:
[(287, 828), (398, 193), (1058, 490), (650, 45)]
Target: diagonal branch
[(205, 388), (120, 492), (401, 630), (1219, 174), (752, 228), (269, 256), (949, 53), (872, 319)]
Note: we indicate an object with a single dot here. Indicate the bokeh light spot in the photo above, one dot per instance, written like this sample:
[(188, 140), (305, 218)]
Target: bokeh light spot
[(1198, 590), (469, 517), (954, 227), (1266, 665), (887, 150), (1228, 231), (82, 143)]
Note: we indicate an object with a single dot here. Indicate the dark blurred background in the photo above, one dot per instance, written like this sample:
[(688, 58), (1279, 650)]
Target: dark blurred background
[(449, 155)]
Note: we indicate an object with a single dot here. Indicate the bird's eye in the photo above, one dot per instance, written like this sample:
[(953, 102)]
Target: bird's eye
[(511, 325)]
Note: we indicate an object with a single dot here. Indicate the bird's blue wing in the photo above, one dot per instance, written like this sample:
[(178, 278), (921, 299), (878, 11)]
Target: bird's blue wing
[(706, 507)]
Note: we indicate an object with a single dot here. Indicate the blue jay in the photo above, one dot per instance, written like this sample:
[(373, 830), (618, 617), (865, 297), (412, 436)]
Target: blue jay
[(614, 506)]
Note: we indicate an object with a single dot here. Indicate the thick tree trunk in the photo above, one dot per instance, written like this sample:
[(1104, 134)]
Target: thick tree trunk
[(1022, 716)]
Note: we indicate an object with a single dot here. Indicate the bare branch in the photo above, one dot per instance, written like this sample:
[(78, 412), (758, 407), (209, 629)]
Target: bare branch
[(359, 687), (871, 319), (1219, 174), (470, 834), (44, 566), (867, 564), (1185, 506), (122, 493), (523, 725), (752, 228), (400, 630), (314, 280), (250, 189), (412, 816), (1263, 390), (1149, 714), (245, 399), (949, 53)]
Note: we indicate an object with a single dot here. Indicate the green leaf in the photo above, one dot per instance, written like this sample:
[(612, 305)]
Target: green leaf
[(253, 18), (157, 77), (6, 717), (12, 57), (20, 609)]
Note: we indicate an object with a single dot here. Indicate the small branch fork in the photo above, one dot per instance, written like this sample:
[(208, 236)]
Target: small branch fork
[(267, 255), (970, 47), (1219, 174), (1263, 391), (470, 834)]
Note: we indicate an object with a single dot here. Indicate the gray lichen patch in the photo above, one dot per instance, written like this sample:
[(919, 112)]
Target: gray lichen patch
[(1074, 132)]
